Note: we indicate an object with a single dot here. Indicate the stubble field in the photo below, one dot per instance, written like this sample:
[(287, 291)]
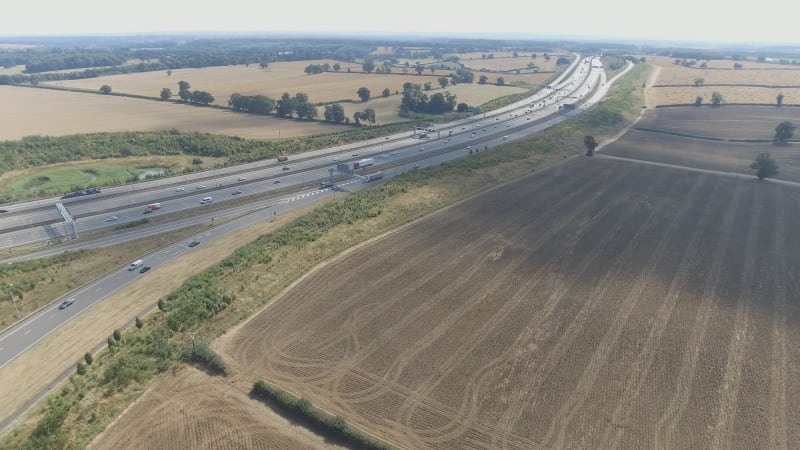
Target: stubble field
[(755, 82), (601, 304), (27, 112)]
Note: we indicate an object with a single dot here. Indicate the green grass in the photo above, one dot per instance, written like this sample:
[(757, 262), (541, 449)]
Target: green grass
[(58, 180)]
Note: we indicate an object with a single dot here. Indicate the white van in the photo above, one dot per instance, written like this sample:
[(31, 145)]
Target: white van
[(136, 264), (206, 200)]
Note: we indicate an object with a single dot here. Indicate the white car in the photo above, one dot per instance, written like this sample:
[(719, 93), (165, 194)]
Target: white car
[(395, 153), (201, 187), (180, 189), (242, 178), (112, 219)]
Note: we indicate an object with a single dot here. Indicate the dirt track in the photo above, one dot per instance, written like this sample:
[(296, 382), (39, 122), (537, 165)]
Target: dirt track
[(599, 304)]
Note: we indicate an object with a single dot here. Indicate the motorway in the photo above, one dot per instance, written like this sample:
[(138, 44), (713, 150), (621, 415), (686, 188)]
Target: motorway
[(393, 155)]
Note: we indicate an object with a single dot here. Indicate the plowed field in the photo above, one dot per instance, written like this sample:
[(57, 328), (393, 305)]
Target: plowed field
[(727, 122), (601, 304)]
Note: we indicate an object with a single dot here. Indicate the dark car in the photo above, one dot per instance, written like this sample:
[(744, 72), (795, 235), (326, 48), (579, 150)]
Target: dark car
[(194, 243), (144, 269), (285, 167), (66, 303), (236, 192)]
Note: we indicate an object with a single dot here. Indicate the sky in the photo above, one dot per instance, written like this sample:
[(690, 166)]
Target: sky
[(676, 20)]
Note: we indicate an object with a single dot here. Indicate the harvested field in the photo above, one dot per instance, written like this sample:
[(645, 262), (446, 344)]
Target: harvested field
[(278, 78), (683, 95), (755, 83), (191, 410), (600, 304), (27, 112)]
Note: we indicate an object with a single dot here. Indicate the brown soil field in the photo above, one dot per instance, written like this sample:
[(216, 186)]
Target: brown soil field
[(598, 304), (498, 63), (278, 78), (190, 410), (27, 112), (727, 122), (703, 154), (720, 64)]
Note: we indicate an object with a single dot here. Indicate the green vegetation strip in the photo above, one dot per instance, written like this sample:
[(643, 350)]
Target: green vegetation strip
[(210, 303), (316, 419)]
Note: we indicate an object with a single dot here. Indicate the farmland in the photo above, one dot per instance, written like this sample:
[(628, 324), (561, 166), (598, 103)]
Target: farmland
[(600, 304), (726, 123), (278, 78), (29, 112), (753, 83)]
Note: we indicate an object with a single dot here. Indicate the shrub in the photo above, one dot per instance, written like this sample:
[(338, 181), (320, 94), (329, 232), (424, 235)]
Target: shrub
[(117, 336), (139, 323), (81, 369), (200, 352), (88, 358)]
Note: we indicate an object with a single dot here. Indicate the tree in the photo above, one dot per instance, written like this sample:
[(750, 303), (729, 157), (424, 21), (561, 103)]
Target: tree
[(419, 68), (201, 98), (698, 100), (357, 117), (783, 132), (169, 73), (699, 81), (764, 166), (139, 324), (368, 66), (285, 106), (427, 86), (117, 335), (590, 144), (183, 91), (81, 368), (166, 94), (716, 99), (88, 358), (779, 100), (443, 82), (737, 65), (337, 67), (363, 93), (263, 64), (105, 89), (483, 79), (501, 81), (304, 108), (368, 115), (386, 92), (334, 113)]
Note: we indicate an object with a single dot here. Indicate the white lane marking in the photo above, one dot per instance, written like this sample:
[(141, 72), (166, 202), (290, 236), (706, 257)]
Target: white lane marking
[(26, 333)]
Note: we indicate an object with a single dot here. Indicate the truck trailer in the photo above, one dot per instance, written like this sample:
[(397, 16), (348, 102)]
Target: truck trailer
[(373, 177), (363, 163)]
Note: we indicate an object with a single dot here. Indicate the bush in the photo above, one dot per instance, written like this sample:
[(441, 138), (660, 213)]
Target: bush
[(81, 369), (161, 305), (111, 343), (88, 358), (200, 352), (117, 336)]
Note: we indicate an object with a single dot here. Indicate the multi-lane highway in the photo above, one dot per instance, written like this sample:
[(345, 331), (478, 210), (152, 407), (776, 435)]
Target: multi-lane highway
[(584, 84)]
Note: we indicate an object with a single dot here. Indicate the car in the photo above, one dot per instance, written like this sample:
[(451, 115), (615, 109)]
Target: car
[(387, 138), (66, 303), (201, 187), (276, 181), (242, 178), (180, 189), (505, 138), (417, 166), (194, 243), (144, 269), (3, 210), (469, 147), (112, 219), (383, 155), (355, 154), (422, 149), (236, 192), (395, 153), (148, 211), (285, 168)]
